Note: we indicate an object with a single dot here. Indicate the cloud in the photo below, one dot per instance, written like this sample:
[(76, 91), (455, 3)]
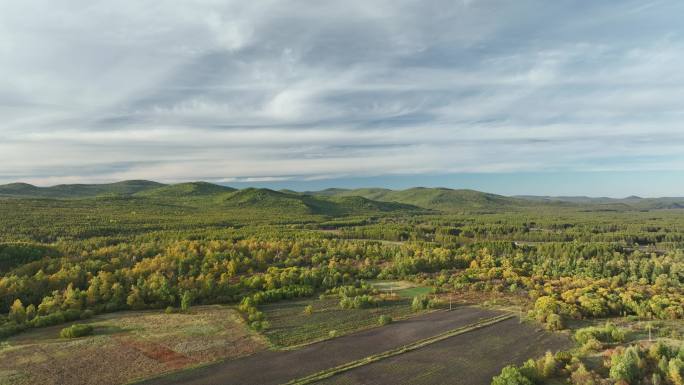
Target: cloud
[(269, 90)]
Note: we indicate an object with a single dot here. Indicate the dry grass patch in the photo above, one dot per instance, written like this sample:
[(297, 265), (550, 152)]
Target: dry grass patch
[(127, 346)]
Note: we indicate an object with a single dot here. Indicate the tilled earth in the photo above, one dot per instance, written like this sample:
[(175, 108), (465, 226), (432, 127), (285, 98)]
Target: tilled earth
[(467, 359), (277, 367)]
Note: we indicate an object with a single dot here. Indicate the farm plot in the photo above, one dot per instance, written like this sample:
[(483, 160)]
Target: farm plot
[(126, 346), (291, 326), (278, 367), (468, 359)]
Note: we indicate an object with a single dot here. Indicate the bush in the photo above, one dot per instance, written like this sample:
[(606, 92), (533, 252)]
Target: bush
[(582, 376), (85, 314), (592, 345), (308, 310), (510, 375), (420, 303), (549, 366), (384, 320), (186, 301), (75, 331), (554, 322), (358, 302), (11, 328), (607, 333), (626, 366), (676, 371), (260, 325), (564, 357)]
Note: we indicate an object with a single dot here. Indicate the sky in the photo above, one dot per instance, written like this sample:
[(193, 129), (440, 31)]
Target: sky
[(514, 97)]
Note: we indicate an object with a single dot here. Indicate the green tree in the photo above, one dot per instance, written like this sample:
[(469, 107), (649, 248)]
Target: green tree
[(17, 312), (549, 365), (134, 299), (186, 301), (75, 331), (31, 312), (675, 371), (510, 375), (625, 366)]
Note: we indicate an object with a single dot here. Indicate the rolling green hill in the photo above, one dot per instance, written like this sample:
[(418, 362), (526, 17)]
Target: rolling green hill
[(190, 189), (64, 191), (333, 201), (260, 198), (442, 199)]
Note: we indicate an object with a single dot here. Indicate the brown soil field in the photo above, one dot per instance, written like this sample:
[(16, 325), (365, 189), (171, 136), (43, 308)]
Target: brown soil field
[(277, 367), (468, 359), (126, 346)]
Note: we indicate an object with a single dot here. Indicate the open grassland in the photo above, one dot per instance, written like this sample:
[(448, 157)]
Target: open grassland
[(126, 346), (466, 359), (290, 326)]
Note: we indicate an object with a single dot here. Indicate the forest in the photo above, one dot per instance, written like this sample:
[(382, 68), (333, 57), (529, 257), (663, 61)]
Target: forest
[(77, 251)]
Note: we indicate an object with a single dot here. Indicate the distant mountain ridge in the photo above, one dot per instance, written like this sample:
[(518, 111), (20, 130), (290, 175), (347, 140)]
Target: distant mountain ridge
[(631, 201), (302, 202), (443, 199), (189, 189), (25, 190), (332, 200)]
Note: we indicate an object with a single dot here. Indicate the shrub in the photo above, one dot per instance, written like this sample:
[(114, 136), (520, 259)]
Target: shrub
[(358, 302), (626, 366), (510, 375), (554, 322), (606, 333), (186, 301), (676, 371), (564, 357), (76, 330), (592, 345), (420, 303), (85, 314), (384, 320), (260, 325), (308, 310), (11, 328), (549, 366), (530, 370), (581, 376)]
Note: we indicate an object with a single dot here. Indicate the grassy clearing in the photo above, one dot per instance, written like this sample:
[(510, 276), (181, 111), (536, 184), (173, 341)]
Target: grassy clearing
[(403, 289), (290, 326), (391, 286), (414, 292), (126, 346), (400, 350)]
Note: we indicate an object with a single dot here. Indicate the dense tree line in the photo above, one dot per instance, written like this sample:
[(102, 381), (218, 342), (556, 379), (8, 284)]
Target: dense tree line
[(65, 260)]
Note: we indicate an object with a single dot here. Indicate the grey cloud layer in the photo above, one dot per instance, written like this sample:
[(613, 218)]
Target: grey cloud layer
[(96, 91)]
